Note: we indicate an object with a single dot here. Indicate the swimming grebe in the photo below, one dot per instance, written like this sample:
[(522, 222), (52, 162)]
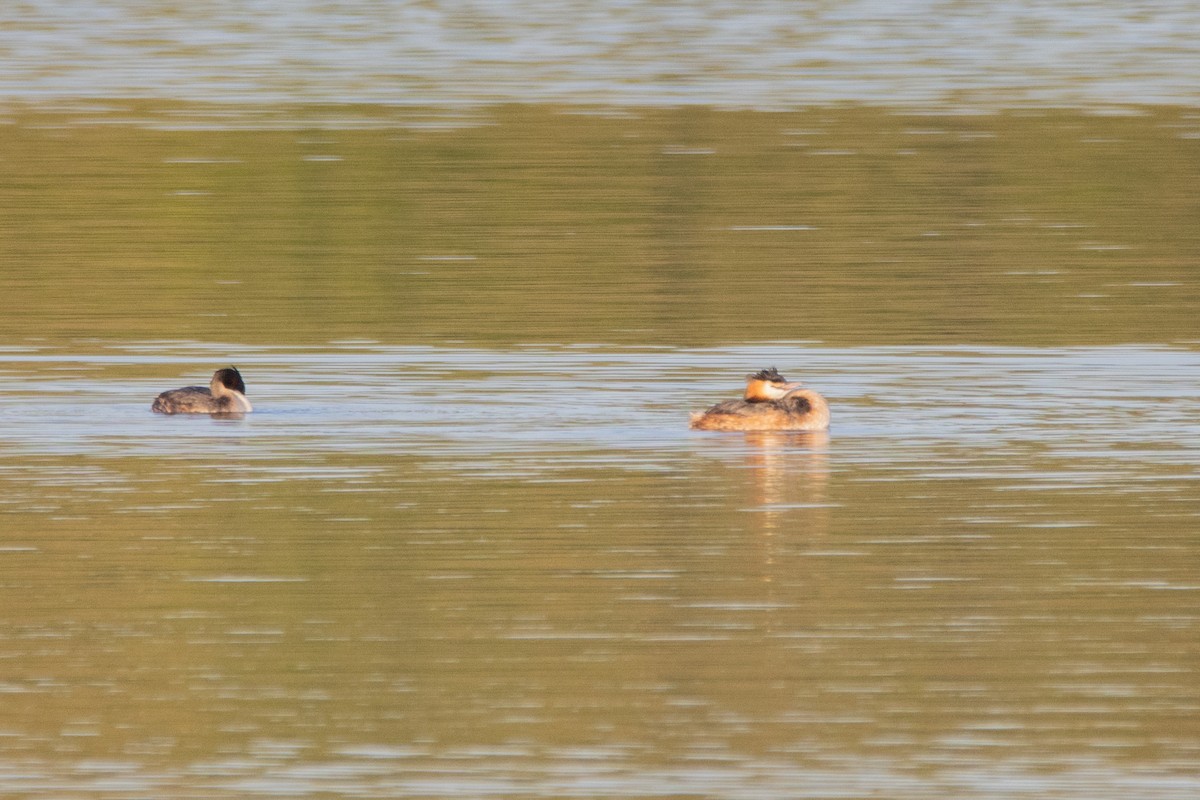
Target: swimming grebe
[(770, 404), (225, 394)]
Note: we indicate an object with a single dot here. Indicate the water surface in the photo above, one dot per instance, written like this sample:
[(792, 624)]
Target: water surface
[(980, 583), (773, 54), (466, 545), (523, 224)]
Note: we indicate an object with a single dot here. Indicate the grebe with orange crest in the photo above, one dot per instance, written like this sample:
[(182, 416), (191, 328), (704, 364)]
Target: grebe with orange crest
[(770, 403)]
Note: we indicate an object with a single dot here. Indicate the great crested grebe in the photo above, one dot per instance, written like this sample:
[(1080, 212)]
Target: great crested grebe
[(225, 394), (770, 404)]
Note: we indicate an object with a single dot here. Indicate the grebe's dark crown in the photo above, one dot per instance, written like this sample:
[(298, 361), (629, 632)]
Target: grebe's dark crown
[(772, 375), (232, 379)]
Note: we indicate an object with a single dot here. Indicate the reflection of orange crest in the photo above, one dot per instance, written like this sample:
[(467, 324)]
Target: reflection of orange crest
[(791, 468), (791, 480)]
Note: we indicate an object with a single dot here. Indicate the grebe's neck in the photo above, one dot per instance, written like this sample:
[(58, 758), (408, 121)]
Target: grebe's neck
[(237, 400), (811, 404)]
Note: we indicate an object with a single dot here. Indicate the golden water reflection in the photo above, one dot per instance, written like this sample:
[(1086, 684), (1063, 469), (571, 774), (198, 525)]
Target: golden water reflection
[(532, 595), (466, 545)]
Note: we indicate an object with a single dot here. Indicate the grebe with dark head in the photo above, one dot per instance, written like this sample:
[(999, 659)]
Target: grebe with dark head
[(770, 403), (225, 394)]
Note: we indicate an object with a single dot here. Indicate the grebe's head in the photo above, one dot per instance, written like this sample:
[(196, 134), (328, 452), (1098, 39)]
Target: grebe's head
[(228, 378), (767, 384)]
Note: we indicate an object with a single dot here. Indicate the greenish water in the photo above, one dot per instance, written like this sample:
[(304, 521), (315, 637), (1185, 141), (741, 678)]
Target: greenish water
[(466, 545), (532, 224)]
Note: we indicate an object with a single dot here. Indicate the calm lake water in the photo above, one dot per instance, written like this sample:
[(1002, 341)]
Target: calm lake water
[(466, 545), (458, 571), (771, 53)]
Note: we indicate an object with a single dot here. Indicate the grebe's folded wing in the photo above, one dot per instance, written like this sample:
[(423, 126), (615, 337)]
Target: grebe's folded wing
[(735, 407), (189, 399)]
